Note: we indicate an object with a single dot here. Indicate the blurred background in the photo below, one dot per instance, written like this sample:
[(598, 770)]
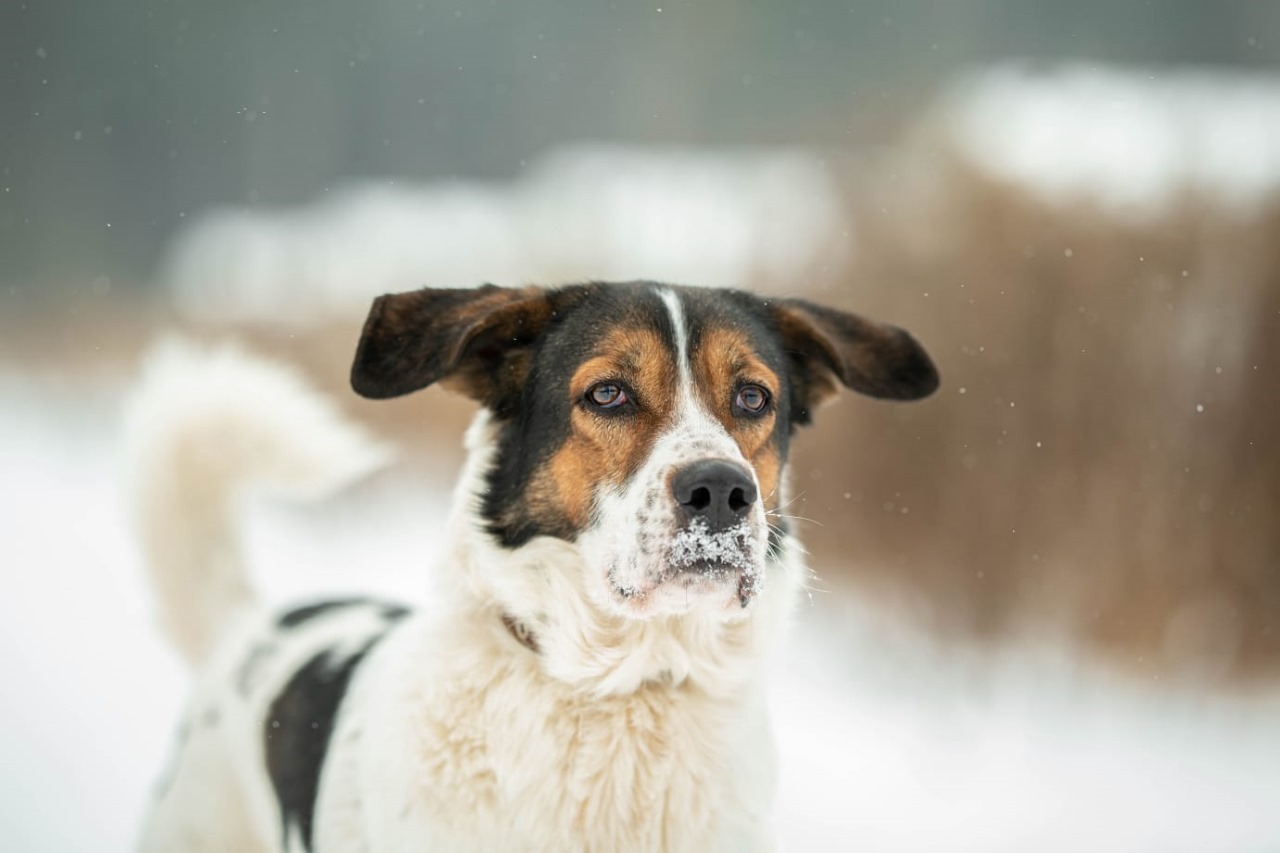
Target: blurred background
[(1048, 606)]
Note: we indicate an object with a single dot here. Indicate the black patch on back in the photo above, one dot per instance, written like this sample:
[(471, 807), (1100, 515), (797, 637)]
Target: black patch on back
[(298, 728), (393, 612), (301, 615)]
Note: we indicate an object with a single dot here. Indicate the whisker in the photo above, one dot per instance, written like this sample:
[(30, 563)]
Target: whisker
[(776, 514), (794, 498)]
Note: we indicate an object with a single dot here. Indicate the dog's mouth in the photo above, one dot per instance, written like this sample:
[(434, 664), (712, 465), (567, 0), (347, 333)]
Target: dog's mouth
[(709, 577), (700, 563)]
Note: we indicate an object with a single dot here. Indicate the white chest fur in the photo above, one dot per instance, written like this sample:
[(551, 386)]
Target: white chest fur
[(466, 745)]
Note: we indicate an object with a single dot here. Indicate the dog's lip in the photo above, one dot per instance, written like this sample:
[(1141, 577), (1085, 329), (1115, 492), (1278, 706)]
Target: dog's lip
[(708, 568), (710, 574), (743, 583)]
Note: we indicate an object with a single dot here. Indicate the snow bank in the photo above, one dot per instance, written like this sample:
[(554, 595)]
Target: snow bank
[(703, 217), (889, 744), (1131, 139)]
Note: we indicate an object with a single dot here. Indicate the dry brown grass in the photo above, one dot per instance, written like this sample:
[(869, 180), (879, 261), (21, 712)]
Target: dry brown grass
[(1103, 458)]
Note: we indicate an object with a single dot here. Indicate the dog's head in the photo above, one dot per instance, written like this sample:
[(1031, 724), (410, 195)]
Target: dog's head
[(647, 424)]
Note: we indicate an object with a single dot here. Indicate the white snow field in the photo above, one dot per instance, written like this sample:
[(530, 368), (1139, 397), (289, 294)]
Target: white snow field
[(886, 743)]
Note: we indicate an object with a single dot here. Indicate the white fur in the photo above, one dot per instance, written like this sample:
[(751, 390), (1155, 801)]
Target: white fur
[(619, 733)]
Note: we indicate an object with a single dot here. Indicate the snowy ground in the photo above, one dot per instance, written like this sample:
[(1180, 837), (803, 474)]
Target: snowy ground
[(886, 744)]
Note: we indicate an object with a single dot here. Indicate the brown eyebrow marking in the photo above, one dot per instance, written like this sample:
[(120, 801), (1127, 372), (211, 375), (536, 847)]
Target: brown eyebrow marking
[(604, 450), (723, 360)]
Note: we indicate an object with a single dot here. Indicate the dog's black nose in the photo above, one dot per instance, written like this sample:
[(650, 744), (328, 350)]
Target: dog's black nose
[(717, 491)]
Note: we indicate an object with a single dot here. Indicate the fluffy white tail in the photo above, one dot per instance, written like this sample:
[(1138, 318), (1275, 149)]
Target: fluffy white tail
[(202, 425)]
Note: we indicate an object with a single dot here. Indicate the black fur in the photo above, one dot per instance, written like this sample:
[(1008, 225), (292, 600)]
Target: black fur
[(828, 346), (301, 718), (298, 728), (304, 614)]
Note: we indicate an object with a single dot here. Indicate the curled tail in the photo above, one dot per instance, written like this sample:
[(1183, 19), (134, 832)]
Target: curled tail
[(202, 425)]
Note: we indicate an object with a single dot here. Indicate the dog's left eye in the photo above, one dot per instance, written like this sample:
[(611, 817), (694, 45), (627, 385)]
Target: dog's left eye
[(606, 395), (752, 399)]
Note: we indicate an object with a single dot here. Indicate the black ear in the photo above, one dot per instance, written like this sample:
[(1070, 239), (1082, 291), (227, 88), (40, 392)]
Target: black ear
[(828, 348), (475, 340)]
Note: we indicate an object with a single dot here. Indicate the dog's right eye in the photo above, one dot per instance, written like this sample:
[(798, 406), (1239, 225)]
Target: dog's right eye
[(606, 395)]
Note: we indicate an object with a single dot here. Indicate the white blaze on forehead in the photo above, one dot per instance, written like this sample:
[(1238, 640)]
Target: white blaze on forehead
[(691, 419), (675, 310), (694, 432)]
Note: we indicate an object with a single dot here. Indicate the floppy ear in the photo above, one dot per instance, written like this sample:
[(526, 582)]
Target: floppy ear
[(829, 348), (475, 340)]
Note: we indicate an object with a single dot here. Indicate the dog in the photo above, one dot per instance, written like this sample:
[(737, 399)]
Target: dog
[(618, 570)]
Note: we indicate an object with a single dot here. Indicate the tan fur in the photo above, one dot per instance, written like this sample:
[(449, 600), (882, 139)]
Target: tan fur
[(604, 451), (724, 361)]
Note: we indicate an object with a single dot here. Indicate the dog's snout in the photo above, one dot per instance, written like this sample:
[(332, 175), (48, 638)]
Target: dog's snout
[(715, 490)]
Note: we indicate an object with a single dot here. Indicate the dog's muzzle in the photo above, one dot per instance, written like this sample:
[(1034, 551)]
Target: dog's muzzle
[(715, 497)]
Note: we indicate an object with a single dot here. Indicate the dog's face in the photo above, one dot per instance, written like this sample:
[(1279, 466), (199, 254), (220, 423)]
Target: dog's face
[(646, 423)]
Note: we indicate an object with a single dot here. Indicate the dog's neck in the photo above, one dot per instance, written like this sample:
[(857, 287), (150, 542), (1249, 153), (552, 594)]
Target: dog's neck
[(540, 600)]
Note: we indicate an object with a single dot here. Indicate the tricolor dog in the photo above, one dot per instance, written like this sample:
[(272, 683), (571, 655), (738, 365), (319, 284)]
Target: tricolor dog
[(617, 571)]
